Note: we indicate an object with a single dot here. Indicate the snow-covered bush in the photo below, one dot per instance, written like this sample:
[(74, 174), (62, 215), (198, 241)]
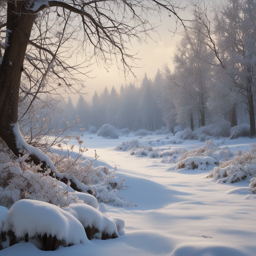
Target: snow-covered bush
[(253, 184), (187, 134), (243, 165), (196, 162), (19, 180), (92, 129), (216, 130), (47, 226), (142, 151), (127, 145), (242, 130), (96, 224), (177, 129), (101, 180), (163, 130), (142, 132), (210, 149), (125, 131), (35, 219), (108, 131)]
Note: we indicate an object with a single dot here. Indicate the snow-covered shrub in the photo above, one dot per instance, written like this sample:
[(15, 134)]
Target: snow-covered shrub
[(253, 184), (187, 134), (36, 219), (96, 224), (242, 130), (163, 130), (196, 162), (92, 129), (127, 145), (101, 180), (177, 129), (108, 131), (216, 130), (142, 132), (236, 169), (19, 180), (210, 149), (142, 151), (48, 226), (125, 131)]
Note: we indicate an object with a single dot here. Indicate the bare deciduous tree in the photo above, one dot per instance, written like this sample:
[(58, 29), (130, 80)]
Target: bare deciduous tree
[(41, 32)]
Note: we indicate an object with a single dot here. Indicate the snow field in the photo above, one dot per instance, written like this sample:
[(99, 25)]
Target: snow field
[(174, 213)]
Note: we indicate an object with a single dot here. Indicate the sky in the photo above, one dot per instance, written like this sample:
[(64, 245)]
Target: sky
[(152, 55)]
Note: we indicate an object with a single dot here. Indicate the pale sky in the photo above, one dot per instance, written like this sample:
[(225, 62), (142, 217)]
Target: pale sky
[(153, 55)]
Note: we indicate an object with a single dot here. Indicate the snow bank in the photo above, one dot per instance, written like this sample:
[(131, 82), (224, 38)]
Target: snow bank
[(242, 130), (95, 223), (33, 218), (108, 131)]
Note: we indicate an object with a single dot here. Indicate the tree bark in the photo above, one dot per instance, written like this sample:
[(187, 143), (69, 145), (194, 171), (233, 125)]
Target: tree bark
[(251, 111), (191, 122), (233, 117), (19, 26)]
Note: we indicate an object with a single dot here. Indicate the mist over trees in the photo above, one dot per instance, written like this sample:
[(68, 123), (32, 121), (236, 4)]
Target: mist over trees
[(212, 80), (133, 107)]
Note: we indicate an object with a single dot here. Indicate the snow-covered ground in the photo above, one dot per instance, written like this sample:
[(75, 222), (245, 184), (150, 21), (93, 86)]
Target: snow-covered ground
[(172, 212)]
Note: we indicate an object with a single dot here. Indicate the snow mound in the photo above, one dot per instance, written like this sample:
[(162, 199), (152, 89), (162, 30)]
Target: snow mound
[(33, 218), (242, 130), (108, 131), (95, 223), (236, 169), (196, 162)]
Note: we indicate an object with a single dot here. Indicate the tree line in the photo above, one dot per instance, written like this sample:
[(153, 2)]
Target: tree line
[(133, 107)]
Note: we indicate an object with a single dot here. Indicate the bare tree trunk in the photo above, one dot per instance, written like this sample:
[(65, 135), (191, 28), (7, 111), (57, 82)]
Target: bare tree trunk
[(191, 122), (19, 26), (251, 111), (233, 117)]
